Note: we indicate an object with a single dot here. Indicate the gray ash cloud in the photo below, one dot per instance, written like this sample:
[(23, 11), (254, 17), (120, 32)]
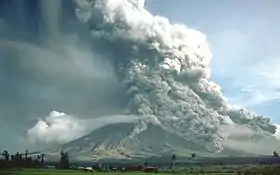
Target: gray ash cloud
[(165, 69)]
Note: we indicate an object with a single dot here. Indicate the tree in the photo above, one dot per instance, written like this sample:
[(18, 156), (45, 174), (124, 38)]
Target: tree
[(26, 153), (43, 156), (275, 154), (17, 157), (64, 160), (146, 164), (173, 160), (6, 155), (193, 155)]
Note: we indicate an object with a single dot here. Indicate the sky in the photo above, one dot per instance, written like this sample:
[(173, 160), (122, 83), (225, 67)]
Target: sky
[(246, 70)]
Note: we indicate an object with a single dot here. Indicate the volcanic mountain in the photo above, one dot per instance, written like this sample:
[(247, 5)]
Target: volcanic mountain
[(125, 141), (165, 70), (120, 141)]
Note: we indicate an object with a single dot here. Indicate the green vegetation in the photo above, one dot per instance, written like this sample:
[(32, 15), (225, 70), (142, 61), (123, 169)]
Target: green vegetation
[(66, 172), (213, 170), (21, 164)]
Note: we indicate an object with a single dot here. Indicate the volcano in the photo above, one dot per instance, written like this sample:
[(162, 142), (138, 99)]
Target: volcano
[(122, 141), (165, 71)]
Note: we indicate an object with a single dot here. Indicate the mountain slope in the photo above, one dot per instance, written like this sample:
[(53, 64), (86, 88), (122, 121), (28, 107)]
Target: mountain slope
[(129, 141), (120, 141)]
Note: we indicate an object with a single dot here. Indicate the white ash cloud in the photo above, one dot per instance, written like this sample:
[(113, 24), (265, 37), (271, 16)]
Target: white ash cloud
[(277, 133), (240, 137), (166, 70), (57, 128)]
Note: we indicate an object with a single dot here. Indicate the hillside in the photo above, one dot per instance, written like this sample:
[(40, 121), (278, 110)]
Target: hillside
[(120, 141)]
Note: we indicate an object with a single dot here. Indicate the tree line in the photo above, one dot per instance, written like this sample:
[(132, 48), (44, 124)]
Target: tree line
[(19, 160)]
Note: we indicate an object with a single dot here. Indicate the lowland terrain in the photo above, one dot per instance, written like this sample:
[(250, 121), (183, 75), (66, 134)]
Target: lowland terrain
[(198, 170), (61, 172)]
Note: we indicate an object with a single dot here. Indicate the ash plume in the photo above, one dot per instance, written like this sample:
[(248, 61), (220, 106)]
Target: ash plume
[(165, 69), (59, 128)]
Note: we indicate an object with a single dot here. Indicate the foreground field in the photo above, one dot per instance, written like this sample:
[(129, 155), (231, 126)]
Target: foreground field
[(67, 172), (253, 170)]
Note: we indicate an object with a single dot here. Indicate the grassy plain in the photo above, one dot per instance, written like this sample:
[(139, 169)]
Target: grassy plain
[(68, 172), (213, 170)]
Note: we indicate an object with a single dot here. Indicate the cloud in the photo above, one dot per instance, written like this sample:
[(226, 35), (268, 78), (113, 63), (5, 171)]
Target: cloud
[(165, 68), (240, 137), (277, 134), (57, 128), (160, 39)]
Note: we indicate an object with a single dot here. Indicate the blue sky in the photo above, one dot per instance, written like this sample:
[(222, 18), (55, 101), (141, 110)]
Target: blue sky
[(245, 40)]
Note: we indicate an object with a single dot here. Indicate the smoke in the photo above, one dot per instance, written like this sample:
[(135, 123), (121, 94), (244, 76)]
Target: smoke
[(59, 128), (277, 133), (240, 137), (54, 127), (165, 69)]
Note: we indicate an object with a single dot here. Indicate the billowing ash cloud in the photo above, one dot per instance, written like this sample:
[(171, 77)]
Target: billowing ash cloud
[(57, 128), (240, 137), (277, 133), (166, 70)]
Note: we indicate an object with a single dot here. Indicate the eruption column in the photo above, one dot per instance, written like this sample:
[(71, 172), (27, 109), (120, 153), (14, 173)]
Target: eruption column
[(165, 69)]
